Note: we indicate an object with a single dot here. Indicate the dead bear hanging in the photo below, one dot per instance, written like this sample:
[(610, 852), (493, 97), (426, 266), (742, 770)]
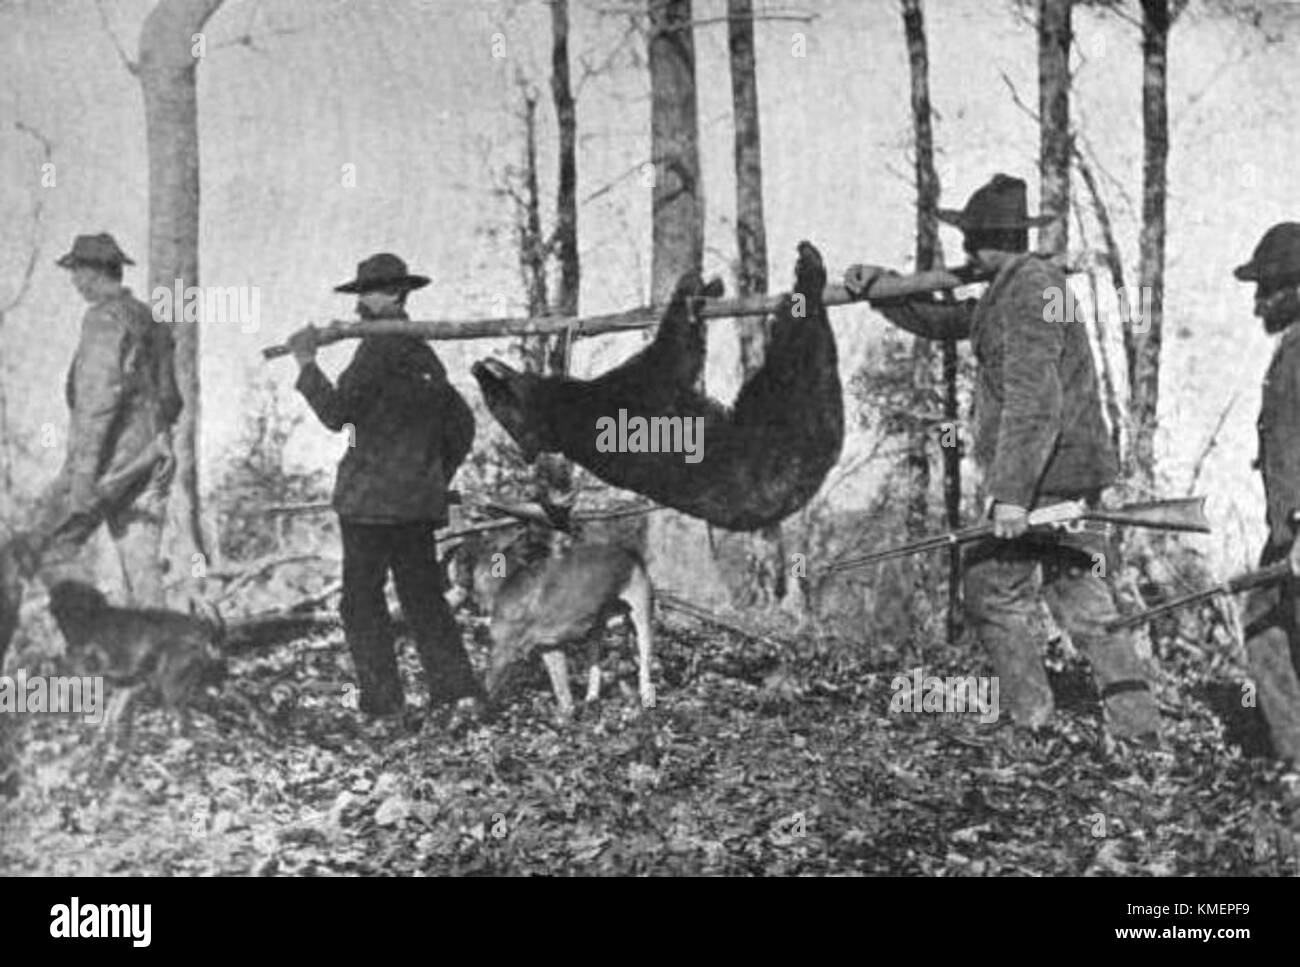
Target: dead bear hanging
[(756, 463)]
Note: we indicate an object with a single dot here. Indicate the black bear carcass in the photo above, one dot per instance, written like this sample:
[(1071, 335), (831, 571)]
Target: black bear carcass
[(752, 465)]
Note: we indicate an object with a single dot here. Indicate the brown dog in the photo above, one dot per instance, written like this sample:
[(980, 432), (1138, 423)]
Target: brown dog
[(171, 654)]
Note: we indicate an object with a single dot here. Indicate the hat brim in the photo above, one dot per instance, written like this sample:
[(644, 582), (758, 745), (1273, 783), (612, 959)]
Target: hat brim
[(71, 261), (957, 217), (407, 282), (1249, 272)]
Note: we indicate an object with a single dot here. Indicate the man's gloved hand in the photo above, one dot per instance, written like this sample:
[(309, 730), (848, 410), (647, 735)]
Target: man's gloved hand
[(858, 279), (303, 345), (1009, 520)]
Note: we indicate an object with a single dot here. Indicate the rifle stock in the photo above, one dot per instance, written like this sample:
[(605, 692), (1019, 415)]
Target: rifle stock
[(1242, 582), (1176, 514)]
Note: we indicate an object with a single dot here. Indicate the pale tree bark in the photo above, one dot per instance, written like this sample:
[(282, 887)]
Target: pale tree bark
[(20, 294), (1119, 432), (169, 57), (1054, 32), (751, 228), (677, 205), (1147, 317), (677, 547), (753, 565), (929, 254)]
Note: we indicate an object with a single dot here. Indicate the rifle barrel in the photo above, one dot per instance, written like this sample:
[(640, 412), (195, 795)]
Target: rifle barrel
[(1242, 582), (962, 536), (1173, 604)]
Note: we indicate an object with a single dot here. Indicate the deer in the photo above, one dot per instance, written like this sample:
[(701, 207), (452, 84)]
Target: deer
[(549, 598)]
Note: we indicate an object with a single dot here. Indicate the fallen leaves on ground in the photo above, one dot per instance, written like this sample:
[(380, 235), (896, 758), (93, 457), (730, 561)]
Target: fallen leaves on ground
[(739, 770)]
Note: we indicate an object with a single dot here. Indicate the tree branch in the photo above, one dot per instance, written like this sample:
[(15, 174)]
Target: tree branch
[(131, 66)]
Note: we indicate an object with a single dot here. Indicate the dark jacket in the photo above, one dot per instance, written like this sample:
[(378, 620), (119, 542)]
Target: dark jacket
[(1038, 420), (410, 431), (1279, 437), (120, 389)]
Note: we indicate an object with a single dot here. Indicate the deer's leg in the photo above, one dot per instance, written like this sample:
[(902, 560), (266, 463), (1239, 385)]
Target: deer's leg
[(557, 666), (593, 668), (117, 726), (639, 598)]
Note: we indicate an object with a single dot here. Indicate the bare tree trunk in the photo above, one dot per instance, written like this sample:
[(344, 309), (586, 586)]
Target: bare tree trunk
[(532, 249), (566, 196), (929, 255), (1145, 329), (677, 547), (751, 228), (1119, 435), (169, 56), (753, 565), (552, 478), (23, 289), (677, 205), (917, 459), (555, 473), (927, 246), (1054, 121)]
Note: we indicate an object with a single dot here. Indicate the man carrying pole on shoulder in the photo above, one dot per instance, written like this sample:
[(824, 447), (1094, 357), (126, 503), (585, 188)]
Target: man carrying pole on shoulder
[(409, 431)]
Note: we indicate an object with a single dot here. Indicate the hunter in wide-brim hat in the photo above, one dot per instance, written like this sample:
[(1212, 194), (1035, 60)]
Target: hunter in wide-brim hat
[(1276, 259), (409, 431), (383, 271), (99, 250), (999, 205)]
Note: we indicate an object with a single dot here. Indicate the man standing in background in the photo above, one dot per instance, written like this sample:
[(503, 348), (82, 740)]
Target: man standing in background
[(122, 400), (1271, 614)]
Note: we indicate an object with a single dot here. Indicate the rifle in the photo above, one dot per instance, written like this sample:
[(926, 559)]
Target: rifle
[(1242, 582), (112, 487), (26, 549), (1073, 516)]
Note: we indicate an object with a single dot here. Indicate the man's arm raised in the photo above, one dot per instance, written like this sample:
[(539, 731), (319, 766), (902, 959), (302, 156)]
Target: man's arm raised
[(920, 314)]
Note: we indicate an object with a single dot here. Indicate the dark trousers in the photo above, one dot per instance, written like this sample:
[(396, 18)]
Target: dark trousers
[(409, 550), (1272, 624)]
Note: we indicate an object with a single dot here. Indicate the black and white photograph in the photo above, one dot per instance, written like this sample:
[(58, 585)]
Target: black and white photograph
[(651, 438)]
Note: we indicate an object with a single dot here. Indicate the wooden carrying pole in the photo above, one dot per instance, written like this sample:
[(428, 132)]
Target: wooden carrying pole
[(882, 289)]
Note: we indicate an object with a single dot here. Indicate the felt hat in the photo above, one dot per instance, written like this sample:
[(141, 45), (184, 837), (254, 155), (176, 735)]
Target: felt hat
[(1000, 204), (1276, 258), (99, 249), (383, 271)]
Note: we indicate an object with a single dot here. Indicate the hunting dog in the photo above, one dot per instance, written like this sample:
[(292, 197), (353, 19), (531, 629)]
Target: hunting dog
[(546, 600), (173, 655)]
